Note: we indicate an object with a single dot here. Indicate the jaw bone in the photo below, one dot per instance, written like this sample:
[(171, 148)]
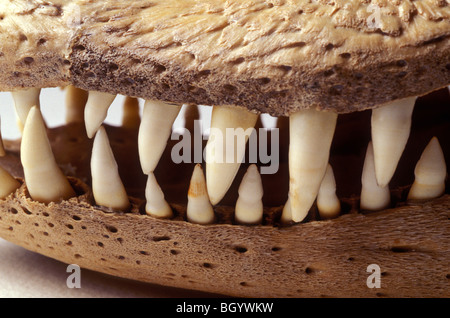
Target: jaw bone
[(24, 100), (373, 197), (223, 154), (391, 126), (430, 173), (327, 202), (311, 134), (199, 209), (107, 186), (45, 181), (249, 206), (154, 131), (96, 111)]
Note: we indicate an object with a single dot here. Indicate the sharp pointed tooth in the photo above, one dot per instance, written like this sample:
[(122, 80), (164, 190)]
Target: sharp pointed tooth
[(157, 205), (223, 154), (430, 173), (373, 197), (328, 203), (249, 206), (311, 134), (190, 116), (286, 215), (96, 111), (391, 126), (76, 100), (107, 186), (7, 183), (131, 113), (23, 101), (45, 181), (199, 209), (154, 132)]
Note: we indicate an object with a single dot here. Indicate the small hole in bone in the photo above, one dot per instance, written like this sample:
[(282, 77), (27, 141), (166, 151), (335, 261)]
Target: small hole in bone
[(401, 63), (174, 252), (69, 226), (78, 256), (14, 211), (26, 211), (111, 229), (28, 60), (240, 249), (41, 41), (238, 61), (159, 68), (345, 55), (207, 265), (161, 238), (329, 47), (264, 81), (76, 218)]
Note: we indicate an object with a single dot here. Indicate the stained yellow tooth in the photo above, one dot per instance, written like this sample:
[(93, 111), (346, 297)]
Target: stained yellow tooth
[(154, 132), (328, 203), (156, 205), (131, 113), (249, 206), (107, 186), (373, 197), (391, 126), (223, 153), (430, 173), (76, 100), (7, 184), (96, 111), (23, 101), (311, 134), (199, 209), (2, 148), (45, 181)]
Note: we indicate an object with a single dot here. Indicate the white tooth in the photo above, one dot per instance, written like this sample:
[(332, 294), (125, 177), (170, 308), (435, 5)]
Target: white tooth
[(45, 181), (328, 203), (391, 126), (2, 148), (430, 173), (154, 132), (199, 209), (23, 101), (156, 205), (96, 111), (373, 197), (249, 206), (107, 186), (7, 184), (76, 100), (286, 215), (311, 134), (223, 153), (131, 113)]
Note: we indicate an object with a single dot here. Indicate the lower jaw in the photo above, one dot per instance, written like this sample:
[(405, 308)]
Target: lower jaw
[(409, 241)]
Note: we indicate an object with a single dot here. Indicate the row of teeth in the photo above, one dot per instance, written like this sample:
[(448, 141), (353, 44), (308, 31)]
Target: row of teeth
[(311, 176)]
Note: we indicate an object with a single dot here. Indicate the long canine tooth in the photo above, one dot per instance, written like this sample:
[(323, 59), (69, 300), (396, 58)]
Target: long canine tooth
[(24, 100), (154, 132), (45, 181), (76, 100), (223, 154), (7, 183), (328, 203), (311, 134), (107, 186), (199, 209), (430, 173), (96, 111), (249, 206), (131, 113), (156, 205), (373, 197), (391, 126)]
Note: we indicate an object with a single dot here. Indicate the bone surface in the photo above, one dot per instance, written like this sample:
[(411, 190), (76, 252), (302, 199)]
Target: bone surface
[(96, 111), (430, 173), (154, 132), (45, 181), (328, 203), (311, 134), (373, 197), (24, 100), (223, 154), (7, 183), (391, 126), (199, 209), (156, 205), (131, 113), (76, 100), (249, 206), (107, 185)]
